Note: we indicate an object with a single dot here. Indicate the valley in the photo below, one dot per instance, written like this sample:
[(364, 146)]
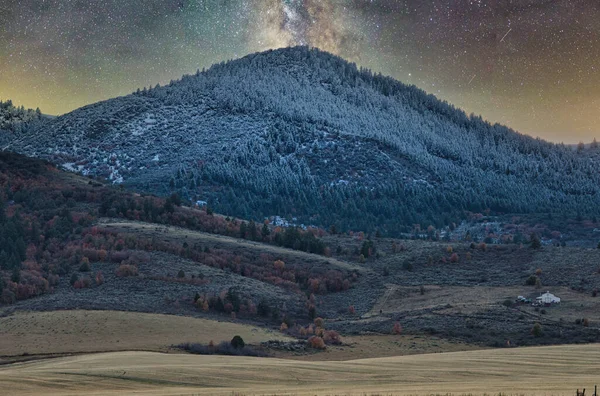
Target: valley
[(104, 249)]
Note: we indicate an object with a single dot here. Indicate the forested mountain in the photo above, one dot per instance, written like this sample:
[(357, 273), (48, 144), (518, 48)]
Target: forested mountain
[(301, 133), (17, 119)]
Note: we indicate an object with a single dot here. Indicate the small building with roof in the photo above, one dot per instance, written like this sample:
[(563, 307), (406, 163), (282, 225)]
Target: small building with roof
[(548, 299)]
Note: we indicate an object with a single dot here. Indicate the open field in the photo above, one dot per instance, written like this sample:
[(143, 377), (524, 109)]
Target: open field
[(555, 370), (59, 332), (35, 334), (375, 346), (469, 300)]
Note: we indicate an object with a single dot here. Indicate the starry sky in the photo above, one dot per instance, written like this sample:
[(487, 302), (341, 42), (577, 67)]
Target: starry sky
[(533, 65)]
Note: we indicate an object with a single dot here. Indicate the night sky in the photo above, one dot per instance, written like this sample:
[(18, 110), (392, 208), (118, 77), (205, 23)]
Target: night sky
[(531, 64)]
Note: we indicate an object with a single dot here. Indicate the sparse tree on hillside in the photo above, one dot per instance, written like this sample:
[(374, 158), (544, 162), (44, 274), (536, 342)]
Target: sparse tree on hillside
[(535, 241), (397, 329), (237, 342), (537, 331)]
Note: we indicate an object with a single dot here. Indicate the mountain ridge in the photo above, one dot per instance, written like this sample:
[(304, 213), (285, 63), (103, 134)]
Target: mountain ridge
[(301, 133)]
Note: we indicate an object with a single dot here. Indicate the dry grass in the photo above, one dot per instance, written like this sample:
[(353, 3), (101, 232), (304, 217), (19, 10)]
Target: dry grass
[(376, 346), (467, 300), (553, 370), (58, 332)]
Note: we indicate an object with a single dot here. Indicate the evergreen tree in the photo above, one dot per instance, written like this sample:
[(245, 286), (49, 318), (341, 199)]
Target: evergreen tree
[(265, 232), (16, 275)]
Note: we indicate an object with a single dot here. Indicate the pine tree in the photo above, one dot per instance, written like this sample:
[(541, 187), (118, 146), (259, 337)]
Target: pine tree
[(16, 275), (535, 241), (265, 232), (252, 230)]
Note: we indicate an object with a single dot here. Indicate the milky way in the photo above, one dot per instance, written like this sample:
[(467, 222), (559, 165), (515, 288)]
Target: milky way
[(324, 24), (531, 64)]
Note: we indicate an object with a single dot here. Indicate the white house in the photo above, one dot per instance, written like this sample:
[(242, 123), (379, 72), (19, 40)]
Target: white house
[(548, 298), (201, 204)]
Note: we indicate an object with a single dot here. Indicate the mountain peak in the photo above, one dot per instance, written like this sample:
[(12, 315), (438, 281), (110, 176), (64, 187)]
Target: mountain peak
[(301, 133)]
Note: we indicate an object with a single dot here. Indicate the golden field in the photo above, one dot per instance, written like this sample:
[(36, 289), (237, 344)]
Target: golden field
[(552, 370)]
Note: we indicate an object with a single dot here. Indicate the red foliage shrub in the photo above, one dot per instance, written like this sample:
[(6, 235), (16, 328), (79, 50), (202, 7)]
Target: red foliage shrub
[(351, 310), (99, 278), (8, 297), (117, 257), (125, 270), (454, 258), (332, 337), (397, 329), (316, 343)]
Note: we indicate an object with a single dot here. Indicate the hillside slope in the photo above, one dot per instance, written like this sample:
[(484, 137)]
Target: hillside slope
[(298, 132)]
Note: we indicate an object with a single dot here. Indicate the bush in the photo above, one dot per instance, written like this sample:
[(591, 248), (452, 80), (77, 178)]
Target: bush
[(224, 348), (263, 308), (319, 322), (367, 249), (8, 297), (407, 266), (507, 303), (237, 342), (82, 283), (535, 241), (316, 342), (181, 274), (312, 312), (537, 331), (454, 258), (74, 278), (397, 329), (531, 280), (85, 265), (99, 278), (126, 270), (279, 265), (351, 310), (332, 337)]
